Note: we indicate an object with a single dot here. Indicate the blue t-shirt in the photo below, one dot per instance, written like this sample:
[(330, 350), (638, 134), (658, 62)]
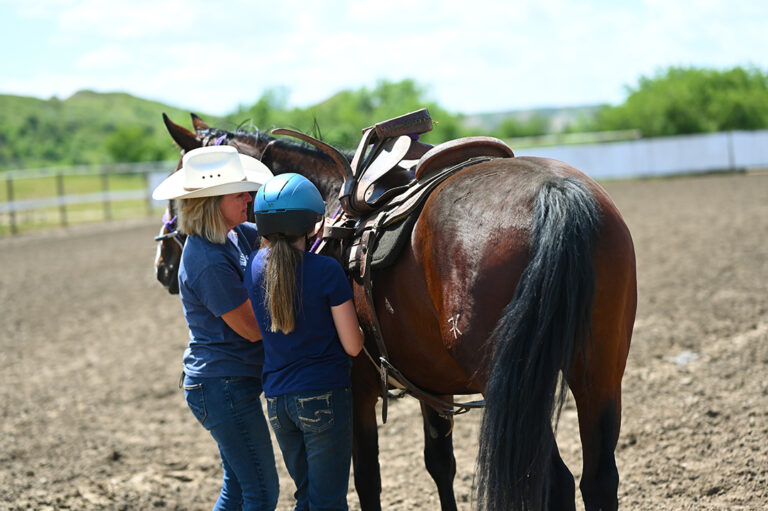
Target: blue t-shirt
[(311, 357), (211, 284)]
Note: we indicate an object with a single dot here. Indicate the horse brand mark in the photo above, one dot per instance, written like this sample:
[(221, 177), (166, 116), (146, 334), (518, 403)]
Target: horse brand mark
[(454, 322)]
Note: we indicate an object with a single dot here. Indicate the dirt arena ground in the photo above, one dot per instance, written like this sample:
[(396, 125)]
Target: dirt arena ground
[(90, 350)]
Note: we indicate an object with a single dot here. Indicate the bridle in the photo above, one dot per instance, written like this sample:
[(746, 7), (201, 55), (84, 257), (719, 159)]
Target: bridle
[(173, 231)]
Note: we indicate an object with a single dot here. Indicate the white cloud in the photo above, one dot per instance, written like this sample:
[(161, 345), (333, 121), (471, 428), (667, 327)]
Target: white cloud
[(488, 56)]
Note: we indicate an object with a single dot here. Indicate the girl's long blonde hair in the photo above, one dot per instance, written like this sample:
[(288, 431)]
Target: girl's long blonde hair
[(280, 284)]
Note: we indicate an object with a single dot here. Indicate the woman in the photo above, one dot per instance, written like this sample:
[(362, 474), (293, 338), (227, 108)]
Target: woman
[(224, 358), (303, 304)]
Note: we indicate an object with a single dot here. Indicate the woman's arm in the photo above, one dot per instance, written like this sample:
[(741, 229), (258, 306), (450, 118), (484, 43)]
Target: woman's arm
[(241, 320), (345, 320)]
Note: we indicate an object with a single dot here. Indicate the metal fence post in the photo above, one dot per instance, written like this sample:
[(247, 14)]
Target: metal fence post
[(62, 198), (11, 210), (149, 194)]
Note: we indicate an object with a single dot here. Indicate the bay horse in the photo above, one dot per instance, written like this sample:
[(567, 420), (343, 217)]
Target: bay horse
[(518, 270)]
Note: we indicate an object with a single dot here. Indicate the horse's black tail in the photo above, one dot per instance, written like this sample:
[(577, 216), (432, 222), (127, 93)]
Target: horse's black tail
[(534, 341)]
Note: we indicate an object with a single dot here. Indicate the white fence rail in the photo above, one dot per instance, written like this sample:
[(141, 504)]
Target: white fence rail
[(152, 172)]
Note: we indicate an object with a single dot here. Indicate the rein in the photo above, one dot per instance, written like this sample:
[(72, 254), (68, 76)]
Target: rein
[(173, 232)]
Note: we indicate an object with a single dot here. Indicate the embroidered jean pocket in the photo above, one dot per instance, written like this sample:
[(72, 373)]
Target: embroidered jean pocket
[(195, 398), (315, 412), (272, 413)]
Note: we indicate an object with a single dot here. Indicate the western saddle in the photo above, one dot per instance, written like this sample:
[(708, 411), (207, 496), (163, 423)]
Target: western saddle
[(392, 174)]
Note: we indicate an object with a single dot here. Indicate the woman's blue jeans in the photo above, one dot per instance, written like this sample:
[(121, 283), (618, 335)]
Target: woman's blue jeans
[(230, 409), (314, 430)]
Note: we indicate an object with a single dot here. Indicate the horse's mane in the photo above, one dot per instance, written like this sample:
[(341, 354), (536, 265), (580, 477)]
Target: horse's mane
[(303, 155), (257, 137)]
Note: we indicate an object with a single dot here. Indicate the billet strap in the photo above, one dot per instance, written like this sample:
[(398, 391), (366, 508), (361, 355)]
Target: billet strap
[(364, 281)]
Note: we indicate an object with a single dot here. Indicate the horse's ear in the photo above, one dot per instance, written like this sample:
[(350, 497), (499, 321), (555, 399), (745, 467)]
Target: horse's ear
[(182, 136), (198, 123)]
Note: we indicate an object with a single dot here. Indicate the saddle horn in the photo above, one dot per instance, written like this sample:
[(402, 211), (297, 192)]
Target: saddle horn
[(345, 169)]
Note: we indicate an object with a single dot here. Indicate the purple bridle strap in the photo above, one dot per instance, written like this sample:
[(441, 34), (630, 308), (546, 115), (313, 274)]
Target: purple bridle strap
[(320, 238), (221, 140), (316, 244), (168, 222)]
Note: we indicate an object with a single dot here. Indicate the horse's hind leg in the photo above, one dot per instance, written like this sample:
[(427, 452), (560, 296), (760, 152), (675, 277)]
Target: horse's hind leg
[(562, 489), (596, 388), (599, 430), (438, 454), (595, 378)]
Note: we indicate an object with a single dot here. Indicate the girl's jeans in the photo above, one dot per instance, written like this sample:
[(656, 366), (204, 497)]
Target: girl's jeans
[(314, 430), (230, 409)]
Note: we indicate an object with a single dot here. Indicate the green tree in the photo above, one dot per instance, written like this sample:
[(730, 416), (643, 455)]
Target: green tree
[(531, 127), (692, 100), (133, 144)]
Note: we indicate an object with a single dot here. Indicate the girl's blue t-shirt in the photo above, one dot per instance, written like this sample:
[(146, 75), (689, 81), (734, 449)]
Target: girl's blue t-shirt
[(210, 285), (311, 357)]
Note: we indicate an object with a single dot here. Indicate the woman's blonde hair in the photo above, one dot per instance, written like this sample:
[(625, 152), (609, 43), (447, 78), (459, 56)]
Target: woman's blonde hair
[(202, 217), (280, 285)]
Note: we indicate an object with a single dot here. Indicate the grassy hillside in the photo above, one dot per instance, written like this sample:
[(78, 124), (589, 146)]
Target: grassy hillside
[(98, 128), (87, 128)]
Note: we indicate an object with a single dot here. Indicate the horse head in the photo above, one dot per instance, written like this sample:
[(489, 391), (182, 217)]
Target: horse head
[(168, 255), (326, 167), (170, 240)]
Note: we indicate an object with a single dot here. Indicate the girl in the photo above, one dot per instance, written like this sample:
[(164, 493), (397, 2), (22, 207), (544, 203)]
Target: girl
[(303, 305)]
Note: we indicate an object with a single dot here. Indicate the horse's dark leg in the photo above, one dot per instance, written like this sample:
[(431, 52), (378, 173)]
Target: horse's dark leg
[(438, 454), (599, 432), (562, 489), (365, 448), (595, 379)]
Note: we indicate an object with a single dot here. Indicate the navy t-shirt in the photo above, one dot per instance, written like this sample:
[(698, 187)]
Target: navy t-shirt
[(311, 357), (211, 284)]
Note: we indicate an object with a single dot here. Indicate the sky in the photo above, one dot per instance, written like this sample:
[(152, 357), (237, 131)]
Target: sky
[(470, 57)]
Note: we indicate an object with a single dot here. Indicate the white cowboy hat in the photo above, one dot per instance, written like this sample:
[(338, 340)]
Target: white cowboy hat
[(210, 171)]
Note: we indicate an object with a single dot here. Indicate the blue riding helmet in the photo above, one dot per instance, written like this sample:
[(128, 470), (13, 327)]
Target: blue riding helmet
[(288, 204)]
